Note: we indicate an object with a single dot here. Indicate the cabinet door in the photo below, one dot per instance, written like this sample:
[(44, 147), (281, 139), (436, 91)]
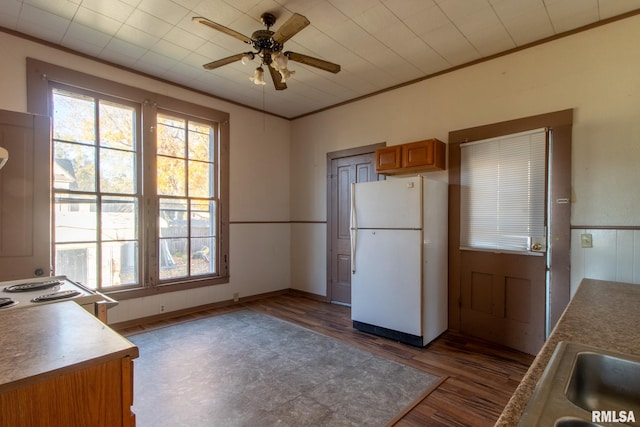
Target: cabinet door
[(24, 196), (388, 158), (128, 417), (76, 396), (419, 154)]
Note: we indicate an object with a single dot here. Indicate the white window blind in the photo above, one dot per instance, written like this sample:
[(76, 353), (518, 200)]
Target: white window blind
[(503, 182)]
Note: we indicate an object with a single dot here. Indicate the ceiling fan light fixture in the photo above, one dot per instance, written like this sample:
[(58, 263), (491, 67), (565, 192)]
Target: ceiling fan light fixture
[(286, 74), (280, 60), (247, 57), (258, 77), (269, 49)]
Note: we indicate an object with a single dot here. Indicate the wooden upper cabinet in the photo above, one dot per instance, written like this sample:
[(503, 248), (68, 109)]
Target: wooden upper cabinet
[(420, 156), (388, 158)]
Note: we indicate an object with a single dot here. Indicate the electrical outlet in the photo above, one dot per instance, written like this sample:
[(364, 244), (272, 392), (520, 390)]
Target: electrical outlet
[(162, 308), (586, 240), (236, 296)]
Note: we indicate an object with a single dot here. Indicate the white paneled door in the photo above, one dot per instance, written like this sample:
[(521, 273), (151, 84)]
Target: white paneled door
[(24, 196)]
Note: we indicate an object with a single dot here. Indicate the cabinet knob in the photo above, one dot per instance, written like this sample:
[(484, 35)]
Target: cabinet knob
[(38, 272)]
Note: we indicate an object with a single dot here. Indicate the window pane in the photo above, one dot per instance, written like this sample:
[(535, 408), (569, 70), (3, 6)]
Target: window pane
[(203, 230), (202, 218), (73, 117), (76, 218), (119, 218), (119, 263), (200, 179), (78, 262), (200, 142), (173, 258), (117, 126), (117, 171), (120, 246), (74, 167), (203, 256), (503, 184), (173, 218), (171, 136), (171, 176)]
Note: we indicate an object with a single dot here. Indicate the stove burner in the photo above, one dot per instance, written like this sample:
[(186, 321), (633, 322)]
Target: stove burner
[(35, 286), (56, 296), (7, 302)]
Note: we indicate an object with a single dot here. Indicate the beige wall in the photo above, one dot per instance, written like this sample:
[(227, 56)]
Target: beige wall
[(595, 72), (259, 182), (278, 168)]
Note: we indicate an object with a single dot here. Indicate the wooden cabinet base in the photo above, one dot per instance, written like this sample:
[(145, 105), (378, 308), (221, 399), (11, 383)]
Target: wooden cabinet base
[(98, 396), (62, 367)]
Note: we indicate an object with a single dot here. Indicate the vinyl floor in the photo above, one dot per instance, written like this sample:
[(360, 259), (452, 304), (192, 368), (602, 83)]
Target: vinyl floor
[(248, 369), (480, 376)]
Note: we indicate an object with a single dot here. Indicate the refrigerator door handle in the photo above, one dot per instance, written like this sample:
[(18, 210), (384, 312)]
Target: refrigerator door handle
[(354, 228)]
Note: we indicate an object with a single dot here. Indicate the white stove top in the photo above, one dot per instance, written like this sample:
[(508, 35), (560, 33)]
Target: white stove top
[(48, 290)]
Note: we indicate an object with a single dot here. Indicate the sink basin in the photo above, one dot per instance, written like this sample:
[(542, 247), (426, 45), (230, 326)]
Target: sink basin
[(574, 422), (585, 386), (603, 382)]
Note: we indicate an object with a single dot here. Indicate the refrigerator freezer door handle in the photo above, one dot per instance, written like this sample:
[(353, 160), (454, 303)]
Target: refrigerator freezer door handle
[(354, 228), (354, 237)]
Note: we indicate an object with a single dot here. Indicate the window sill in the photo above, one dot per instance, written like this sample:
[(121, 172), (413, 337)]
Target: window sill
[(138, 292), (502, 251)]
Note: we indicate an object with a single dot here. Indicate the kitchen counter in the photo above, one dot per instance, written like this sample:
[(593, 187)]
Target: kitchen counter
[(602, 314), (61, 351)]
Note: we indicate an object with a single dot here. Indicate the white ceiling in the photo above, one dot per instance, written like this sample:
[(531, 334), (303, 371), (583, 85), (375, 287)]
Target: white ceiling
[(378, 43)]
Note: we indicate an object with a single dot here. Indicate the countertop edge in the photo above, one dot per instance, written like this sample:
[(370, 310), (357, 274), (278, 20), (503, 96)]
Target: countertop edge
[(39, 343), (603, 314)]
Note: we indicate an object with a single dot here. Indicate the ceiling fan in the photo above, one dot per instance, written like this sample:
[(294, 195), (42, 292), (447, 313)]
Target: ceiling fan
[(269, 46)]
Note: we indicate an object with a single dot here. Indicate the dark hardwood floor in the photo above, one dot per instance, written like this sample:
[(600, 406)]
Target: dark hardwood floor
[(479, 376)]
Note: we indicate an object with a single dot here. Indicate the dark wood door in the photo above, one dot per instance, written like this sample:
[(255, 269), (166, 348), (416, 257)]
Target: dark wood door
[(344, 172), (24, 196), (503, 291), (503, 298)]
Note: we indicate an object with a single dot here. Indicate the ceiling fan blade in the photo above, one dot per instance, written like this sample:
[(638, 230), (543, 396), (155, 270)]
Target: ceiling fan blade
[(290, 28), (223, 61), (277, 78), (314, 62), (222, 28)]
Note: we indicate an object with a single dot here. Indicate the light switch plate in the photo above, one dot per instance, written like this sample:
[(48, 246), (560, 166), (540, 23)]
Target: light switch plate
[(586, 240)]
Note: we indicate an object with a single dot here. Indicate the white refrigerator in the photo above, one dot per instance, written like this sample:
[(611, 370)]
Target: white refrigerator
[(399, 258)]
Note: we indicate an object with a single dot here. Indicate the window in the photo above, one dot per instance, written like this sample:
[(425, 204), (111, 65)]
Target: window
[(96, 195), (139, 184), (186, 183), (503, 192)]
